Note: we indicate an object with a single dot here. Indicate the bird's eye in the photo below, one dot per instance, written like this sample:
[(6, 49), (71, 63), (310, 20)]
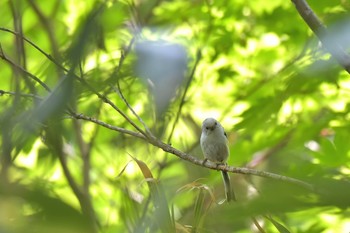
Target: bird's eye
[(207, 128), (216, 123)]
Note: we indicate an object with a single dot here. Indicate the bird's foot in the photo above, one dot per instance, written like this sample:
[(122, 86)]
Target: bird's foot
[(204, 161)]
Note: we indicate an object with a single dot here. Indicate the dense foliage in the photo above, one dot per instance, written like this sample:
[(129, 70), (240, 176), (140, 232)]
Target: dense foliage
[(89, 90)]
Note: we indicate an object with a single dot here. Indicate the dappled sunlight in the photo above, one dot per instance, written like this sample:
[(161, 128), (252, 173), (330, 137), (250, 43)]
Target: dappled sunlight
[(102, 104)]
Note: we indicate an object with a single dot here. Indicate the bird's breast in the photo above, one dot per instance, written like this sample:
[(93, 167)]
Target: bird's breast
[(217, 152)]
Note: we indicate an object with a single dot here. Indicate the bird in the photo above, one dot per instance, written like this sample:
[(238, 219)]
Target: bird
[(214, 146)]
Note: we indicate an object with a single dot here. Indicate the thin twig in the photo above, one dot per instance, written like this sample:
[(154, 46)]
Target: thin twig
[(163, 164), (119, 92), (122, 58), (116, 72), (108, 101), (24, 71), (118, 89), (108, 126), (12, 93), (32, 44), (182, 102)]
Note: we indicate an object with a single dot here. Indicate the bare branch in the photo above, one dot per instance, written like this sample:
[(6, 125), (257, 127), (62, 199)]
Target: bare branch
[(32, 44), (119, 92), (182, 155), (320, 31), (246, 171), (24, 71), (108, 126), (12, 93)]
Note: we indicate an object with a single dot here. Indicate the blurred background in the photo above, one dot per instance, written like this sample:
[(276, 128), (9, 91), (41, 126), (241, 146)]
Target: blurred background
[(84, 82)]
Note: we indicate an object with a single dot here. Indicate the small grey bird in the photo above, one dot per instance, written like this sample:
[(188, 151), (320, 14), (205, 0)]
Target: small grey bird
[(214, 145)]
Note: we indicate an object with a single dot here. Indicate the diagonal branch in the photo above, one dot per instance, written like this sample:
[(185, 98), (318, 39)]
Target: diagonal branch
[(320, 31), (12, 93), (118, 90), (182, 155), (240, 170), (108, 126), (22, 70), (120, 93)]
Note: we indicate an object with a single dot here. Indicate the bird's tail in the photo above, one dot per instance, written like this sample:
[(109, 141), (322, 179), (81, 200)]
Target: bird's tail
[(230, 195)]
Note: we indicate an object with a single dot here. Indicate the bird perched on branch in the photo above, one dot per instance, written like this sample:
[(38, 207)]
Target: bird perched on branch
[(214, 145)]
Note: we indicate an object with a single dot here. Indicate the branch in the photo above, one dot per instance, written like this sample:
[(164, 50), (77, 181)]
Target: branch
[(12, 93), (108, 126), (182, 155), (320, 31), (213, 166), (21, 69), (32, 44), (118, 90), (120, 93)]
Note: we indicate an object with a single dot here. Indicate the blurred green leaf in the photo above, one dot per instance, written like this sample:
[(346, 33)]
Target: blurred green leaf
[(279, 226), (282, 98)]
